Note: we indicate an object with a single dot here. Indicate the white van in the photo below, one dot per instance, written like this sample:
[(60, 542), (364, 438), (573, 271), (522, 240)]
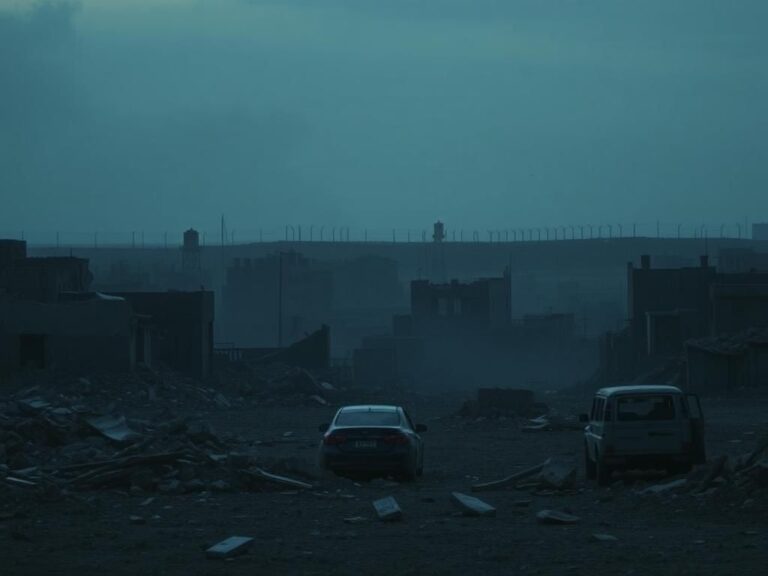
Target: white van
[(636, 427)]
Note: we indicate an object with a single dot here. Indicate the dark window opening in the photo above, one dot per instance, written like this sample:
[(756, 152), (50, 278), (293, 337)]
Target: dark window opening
[(32, 350)]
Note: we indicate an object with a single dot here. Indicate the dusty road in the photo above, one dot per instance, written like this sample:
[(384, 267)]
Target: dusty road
[(306, 533)]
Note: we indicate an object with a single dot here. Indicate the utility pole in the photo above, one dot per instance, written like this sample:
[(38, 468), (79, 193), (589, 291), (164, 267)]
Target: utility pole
[(280, 300)]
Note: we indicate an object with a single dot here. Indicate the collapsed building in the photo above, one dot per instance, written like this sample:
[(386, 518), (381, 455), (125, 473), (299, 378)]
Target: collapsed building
[(679, 315), (50, 319), (463, 334)]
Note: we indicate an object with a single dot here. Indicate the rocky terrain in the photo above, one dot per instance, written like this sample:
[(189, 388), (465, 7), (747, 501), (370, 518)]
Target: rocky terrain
[(138, 475)]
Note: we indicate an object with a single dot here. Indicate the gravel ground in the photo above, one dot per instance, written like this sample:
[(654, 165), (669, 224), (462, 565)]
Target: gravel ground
[(306, 533)]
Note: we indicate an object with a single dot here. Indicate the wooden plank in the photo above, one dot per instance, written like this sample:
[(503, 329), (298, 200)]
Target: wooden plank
[(510, 480)]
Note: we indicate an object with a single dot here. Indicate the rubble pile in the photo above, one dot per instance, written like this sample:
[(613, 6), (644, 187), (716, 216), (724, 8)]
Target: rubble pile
[(744, 477), (277, 384), (49, 449)]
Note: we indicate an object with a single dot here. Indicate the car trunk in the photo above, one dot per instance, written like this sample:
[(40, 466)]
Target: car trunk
[(367, 440)]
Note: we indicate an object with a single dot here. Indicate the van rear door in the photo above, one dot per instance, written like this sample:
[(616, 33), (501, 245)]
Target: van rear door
[(647, 424)]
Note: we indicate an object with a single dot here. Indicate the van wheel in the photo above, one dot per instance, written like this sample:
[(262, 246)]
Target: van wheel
[(589, 466), (603, 471)]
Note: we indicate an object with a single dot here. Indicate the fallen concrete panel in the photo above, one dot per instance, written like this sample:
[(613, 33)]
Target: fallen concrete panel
[(114, 428), (604, 538), (556, 517), (558, 475), (232, 546), (388, 509), (472, 506), (667, 487)]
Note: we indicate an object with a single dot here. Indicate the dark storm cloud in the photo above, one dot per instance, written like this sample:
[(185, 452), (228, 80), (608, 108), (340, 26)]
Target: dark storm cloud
[(161, 113)]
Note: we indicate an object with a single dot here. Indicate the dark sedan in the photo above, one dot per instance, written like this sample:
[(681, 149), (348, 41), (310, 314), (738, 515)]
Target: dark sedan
[(373, 440)]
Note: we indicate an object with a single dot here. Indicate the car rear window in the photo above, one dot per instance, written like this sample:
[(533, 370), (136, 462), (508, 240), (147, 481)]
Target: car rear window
[(368, 418), (636, 408)]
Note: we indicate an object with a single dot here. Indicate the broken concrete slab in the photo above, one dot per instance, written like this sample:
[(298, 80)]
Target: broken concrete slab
[(557, 474), (510, 480), (667, 487), (388, 509), (603, 538), (232, 546), (556, 517), (471, 506), (32, 405), (114, 428)]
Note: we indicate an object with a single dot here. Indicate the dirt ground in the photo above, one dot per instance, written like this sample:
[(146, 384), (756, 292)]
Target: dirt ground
[(304, 532)]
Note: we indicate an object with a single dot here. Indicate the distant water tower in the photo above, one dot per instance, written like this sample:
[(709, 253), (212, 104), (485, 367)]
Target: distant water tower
[(190, 252), (438, 234), (437, 256)]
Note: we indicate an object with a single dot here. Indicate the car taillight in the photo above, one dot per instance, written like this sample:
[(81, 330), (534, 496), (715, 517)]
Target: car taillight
[(395, 440), (334, 439)]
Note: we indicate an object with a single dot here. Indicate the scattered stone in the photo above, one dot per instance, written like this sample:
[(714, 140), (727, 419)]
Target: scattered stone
[(668, 487), (556, 517), (558, 475), (169, 487), (221, 486), (137, 520), (472, 506), (232, 546), (355, 520), (604, 538), (221, 401), (114, 428), (388, 509)]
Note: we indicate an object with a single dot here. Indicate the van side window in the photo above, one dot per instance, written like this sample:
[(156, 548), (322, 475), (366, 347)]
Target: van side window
[(607, 413), (597, 415)]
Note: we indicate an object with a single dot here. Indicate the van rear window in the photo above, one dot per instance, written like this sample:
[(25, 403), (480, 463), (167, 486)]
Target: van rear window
[(637, 408)]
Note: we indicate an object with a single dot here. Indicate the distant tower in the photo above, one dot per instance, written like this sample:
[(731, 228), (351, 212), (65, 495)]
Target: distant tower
[(438, 252), (439, 232), (190, 252)]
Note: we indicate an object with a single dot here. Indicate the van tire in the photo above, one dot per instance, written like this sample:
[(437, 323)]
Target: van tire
[(590, 468), (603, 472)]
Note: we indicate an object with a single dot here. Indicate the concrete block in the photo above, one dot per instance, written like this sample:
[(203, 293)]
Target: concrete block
[(472, 506), (232, 546), (388, 509)]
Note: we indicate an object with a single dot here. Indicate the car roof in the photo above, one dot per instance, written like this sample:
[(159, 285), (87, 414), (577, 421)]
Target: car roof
[(369, 408), (638, 389)]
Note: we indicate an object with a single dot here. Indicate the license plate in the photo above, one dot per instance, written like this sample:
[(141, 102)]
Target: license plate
[(365, 444)]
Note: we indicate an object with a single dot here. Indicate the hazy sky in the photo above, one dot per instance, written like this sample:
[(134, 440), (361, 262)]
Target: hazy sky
[(159, 114)]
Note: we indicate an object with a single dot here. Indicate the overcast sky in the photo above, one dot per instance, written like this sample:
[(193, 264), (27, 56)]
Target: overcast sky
[(155, 115)]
